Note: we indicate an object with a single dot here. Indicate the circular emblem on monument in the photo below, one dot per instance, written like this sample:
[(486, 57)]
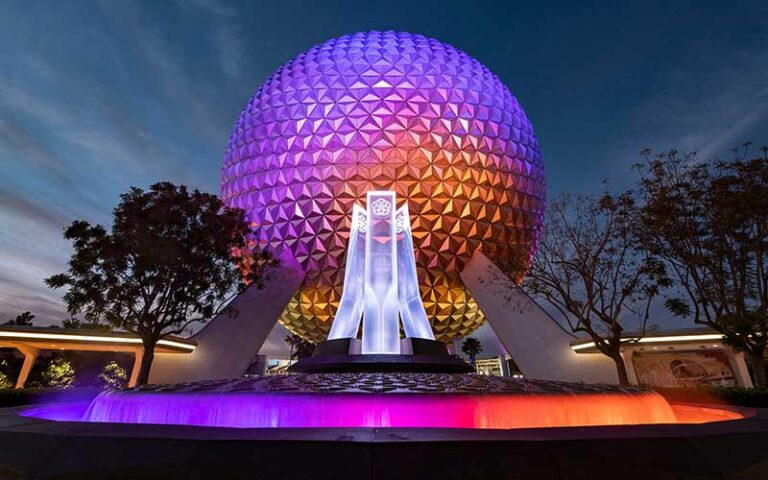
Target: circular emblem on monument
[(381, 207)]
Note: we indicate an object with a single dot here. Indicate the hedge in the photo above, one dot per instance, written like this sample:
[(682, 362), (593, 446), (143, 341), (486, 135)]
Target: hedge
[(29, 396), (743, 397)]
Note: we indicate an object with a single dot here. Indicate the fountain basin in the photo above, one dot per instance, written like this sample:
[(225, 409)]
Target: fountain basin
[(359, 426), (38, 448), (379, 400)]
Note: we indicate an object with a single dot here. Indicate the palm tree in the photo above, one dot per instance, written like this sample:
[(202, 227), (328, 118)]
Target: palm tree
[(471, 347), (294, 341)]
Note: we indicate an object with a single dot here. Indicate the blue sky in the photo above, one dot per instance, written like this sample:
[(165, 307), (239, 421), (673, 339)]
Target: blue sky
[(98, 96)]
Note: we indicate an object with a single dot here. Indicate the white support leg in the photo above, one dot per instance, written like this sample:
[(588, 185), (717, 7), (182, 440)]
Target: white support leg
[(539, 345), (740, 370), (227, 344), (628, 355)]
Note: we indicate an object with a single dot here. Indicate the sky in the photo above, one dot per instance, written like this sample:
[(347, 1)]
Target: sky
[(96, 97)]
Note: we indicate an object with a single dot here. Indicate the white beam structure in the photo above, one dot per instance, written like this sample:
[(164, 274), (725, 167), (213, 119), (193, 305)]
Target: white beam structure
[(539, 345), (228, 344)]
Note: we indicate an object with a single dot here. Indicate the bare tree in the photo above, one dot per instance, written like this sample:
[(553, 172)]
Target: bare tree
[(591, 268), (708, 221)]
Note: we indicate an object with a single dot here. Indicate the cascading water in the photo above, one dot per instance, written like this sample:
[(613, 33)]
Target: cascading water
[(377, 400)]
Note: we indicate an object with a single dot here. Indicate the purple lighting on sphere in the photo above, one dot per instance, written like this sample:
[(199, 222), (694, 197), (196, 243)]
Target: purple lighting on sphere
[(388, 111)]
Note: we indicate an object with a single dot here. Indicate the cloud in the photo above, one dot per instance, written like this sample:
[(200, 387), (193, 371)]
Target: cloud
[(26, 263), (213, 6), (107, 148), (44, 303), (23, 101), (716, 105), (226, 37), (229, 50), (76, 130), (107, 128), (15, 203), (193, 97), (47, 307), (20, 142), (20, 145)]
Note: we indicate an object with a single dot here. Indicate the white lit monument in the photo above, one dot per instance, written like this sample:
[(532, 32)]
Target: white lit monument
[(380, 283)]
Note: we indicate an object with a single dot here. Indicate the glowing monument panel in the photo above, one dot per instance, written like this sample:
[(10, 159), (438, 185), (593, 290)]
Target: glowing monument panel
[(350, 311), (390, 291), (412, 313), (381, 328)]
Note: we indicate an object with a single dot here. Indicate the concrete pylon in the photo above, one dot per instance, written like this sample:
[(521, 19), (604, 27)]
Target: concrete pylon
[(229, 342), (30, 356), (539, 345)]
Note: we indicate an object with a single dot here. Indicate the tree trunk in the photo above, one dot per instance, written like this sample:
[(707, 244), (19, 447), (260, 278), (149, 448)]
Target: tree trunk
[(621, 370), (758, 370), (146, 361)]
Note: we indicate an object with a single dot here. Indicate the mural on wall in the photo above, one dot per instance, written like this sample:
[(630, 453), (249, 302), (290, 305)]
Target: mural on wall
[(683, 369)]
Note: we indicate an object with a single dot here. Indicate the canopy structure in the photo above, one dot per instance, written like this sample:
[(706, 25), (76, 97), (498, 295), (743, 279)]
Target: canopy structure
[(30, 341)]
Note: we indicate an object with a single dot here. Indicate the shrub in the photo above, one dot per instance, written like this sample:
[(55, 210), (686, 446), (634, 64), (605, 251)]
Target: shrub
[(112, 376), (59, 374), (5, 382), (31, 396), (739, 396)]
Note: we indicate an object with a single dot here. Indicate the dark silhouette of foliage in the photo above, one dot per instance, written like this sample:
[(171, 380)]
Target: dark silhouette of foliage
[(292, 340), (472, 347), (74, 323), (708, 222), (300, 348), (166, 263), (22, 320), (305, 349)]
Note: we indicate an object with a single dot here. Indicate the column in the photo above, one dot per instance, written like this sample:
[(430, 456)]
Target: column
[(30, 355), (740, 370), (347, 321), (381, 322), (137, 357), (415, 321), (629, 363)]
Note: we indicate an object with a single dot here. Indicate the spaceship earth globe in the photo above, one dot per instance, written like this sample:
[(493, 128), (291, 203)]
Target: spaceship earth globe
[(387, 111)]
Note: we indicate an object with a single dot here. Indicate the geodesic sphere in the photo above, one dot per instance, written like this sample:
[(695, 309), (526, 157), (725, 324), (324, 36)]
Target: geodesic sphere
[(388, 111)]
